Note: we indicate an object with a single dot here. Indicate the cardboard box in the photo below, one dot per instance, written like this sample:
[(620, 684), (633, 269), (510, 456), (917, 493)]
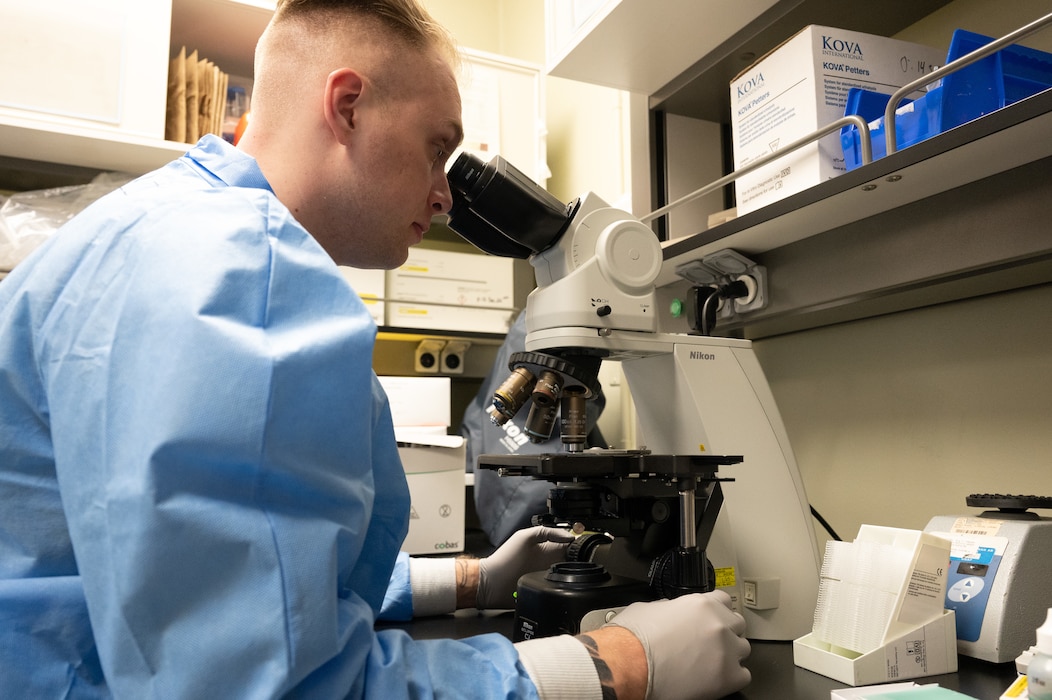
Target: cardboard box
[(927, 650), (801, 86), (370, 285), (468, 319), (418, 402), (435, 473), (451, 278)]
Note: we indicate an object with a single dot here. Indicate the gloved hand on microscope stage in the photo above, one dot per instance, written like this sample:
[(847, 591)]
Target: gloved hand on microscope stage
[(532, 549), (690, 647), (443, 585)]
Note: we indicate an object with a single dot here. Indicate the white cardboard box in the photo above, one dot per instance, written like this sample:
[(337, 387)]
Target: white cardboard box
[(801, 86), (927, 650), (469, 319), (435, 473), (369, 284), (418, 402), (451, 278)]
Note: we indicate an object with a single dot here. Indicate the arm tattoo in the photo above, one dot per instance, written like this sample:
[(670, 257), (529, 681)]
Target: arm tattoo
[(606, 678)]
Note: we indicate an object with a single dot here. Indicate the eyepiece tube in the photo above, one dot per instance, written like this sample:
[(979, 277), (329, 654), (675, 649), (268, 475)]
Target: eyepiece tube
[(512, 205), (480, 233)]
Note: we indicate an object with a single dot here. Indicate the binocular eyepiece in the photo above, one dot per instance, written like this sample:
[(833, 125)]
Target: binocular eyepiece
[(499, 210)]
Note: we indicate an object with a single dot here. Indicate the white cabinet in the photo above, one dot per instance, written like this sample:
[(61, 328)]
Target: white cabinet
[(91, 85), (639, 45), (84, 83), (503, 111)]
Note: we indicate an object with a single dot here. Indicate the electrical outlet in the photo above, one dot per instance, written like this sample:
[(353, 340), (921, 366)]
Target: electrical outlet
[(453, 356), (428, 356), (756, 279)]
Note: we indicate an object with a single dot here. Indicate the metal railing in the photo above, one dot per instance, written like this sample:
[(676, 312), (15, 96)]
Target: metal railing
[(851, 119), (966, 60)]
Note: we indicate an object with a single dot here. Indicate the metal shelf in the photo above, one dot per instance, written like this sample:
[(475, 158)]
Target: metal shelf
[(702, 91), (960, 214)]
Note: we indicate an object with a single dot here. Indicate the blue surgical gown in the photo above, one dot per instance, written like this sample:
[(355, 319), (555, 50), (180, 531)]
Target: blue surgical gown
[(200, 492)]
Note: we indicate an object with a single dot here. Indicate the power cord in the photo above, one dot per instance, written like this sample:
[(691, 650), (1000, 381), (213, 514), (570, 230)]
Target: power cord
[(705, 318), (822, 521)]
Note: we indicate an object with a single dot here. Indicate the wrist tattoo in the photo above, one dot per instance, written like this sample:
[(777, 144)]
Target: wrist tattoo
[(606, 677), (462, 572)]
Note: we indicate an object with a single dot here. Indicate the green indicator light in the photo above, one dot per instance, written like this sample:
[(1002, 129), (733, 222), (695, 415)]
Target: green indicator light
[(676, 308)]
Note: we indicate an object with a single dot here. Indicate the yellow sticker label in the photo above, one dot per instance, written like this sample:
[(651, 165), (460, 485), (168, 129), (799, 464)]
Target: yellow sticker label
[(725, 577), (1017, 689)]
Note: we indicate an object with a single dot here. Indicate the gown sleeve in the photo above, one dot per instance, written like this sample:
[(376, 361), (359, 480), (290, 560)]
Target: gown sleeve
[(228, 468)]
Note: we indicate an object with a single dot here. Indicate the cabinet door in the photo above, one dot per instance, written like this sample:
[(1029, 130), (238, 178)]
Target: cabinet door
[(99, 64), (503, 112)]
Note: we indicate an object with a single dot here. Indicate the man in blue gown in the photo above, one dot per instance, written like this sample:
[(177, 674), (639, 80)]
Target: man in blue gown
[(200, 492)]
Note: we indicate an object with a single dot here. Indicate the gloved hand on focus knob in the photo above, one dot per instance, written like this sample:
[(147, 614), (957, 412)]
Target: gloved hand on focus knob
[(532, 549), (694, 645)]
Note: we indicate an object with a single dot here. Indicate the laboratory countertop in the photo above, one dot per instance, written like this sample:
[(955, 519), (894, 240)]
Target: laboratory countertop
[(774, 675)]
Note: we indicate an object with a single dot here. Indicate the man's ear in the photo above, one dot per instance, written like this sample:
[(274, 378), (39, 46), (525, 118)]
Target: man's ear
[(343, 94)]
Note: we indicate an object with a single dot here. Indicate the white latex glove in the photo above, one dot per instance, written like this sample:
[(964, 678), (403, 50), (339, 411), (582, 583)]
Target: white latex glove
[(694, 645), (532, 549)]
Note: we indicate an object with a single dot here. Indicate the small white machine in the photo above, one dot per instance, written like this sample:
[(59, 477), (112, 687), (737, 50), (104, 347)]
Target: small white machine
[(1000, 582), (697, 397)]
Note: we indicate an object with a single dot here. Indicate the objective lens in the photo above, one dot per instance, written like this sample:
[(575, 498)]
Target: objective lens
[(541, 421), (513, 393), (496, 417), (574, 423), (546, 391)]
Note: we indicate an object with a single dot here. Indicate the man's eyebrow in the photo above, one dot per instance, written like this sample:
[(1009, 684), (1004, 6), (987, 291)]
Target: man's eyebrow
[(458, 134)]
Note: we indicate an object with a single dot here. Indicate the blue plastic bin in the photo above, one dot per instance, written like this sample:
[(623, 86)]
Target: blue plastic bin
[(1010, 75)]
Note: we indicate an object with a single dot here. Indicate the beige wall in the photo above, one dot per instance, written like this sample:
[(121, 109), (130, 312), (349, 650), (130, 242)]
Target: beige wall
[(981, 16), (898, 418)]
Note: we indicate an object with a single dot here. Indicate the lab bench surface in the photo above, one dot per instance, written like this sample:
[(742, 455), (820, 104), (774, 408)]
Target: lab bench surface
[(774, 675)]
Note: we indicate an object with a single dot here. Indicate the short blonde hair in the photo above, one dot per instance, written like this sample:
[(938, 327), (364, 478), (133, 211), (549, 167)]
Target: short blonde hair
[(405, 19), (309, 38)]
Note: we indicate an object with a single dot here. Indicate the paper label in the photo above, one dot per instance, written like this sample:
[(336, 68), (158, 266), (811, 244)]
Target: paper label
[(976, 526), (926, 586)]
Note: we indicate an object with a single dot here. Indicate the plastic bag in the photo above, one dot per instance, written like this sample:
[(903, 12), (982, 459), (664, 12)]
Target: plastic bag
[(27, 219)]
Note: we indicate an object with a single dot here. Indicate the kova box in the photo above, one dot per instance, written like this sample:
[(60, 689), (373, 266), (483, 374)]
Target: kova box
[(800, 87)]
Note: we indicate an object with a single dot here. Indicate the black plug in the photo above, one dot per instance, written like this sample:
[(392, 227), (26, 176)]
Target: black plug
[(701, 305), (734, 290)]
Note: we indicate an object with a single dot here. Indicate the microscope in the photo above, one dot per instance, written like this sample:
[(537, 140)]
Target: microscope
[(713, 500)]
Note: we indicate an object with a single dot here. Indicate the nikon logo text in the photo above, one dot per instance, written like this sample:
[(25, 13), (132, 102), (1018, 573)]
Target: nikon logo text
[(698, 355)]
